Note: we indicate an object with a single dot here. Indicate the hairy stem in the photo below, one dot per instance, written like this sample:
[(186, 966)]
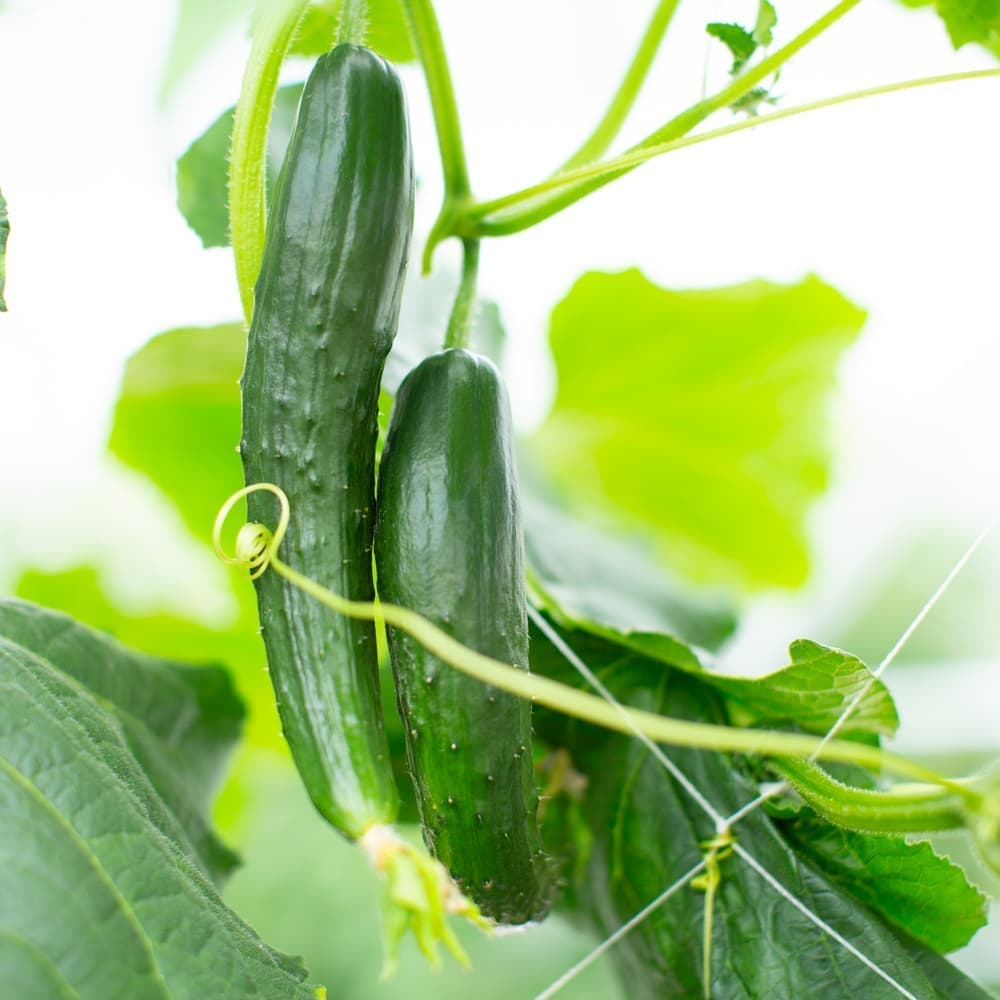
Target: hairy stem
[(353, 25), (608, 127), (272, 37)]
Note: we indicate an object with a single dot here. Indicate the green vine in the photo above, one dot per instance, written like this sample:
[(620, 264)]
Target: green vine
[(257, 550), (564, 194), (272, 37), (597, 143)]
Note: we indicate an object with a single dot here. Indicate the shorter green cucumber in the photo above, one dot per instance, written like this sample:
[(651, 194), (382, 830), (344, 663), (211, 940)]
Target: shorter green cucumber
[(449, 545)]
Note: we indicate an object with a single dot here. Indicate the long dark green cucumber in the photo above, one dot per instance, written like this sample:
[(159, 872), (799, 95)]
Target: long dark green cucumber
[(449, 544), (327, 305)]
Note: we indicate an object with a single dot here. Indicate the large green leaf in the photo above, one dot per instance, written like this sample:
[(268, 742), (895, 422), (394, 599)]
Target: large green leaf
[(177, 419), (811, 692), (100, 895), (636, 830), (698, 416), (180, 722), (611, 585), (920, 891), (203, 170)]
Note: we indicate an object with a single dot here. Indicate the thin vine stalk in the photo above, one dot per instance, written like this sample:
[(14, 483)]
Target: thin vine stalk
[(478, 214), (598, 142), (463, 312), (272, 37), (257, 548), (429, 44), (548, 204)]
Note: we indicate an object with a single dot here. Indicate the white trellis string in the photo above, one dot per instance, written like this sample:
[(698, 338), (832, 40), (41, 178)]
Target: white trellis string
[(654, 748), (907, 634), (852, 705), (609, 942), (723, 824)]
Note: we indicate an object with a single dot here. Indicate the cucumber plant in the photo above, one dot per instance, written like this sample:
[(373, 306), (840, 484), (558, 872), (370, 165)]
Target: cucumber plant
[(672, 812)]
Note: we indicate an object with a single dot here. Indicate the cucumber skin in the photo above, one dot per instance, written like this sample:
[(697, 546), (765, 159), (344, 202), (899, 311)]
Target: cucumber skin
[(327, 306), (449, 544)]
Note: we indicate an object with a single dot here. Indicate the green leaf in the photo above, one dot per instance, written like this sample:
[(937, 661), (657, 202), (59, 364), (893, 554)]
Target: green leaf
[(178, 418), (610, 586), (4, 233), (811, 692), (767, 19), (970, 20), (967, 20), (921, 892), (203, 170), (180, 722), (99, 893), (740, 42), (388, 33), (699, 416), (646, 831), (177, 421)]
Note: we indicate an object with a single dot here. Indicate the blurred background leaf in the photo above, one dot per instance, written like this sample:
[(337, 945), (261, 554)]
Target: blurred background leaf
[(203, 170), (706, 424), (200, 26), (967, 21)]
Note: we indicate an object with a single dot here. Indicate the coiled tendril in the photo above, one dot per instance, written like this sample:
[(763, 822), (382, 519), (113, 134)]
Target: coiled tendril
[(256, 544)]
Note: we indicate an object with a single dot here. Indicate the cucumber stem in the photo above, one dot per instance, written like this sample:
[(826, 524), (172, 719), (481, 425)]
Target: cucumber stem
[(272, 37), (352, 28), (459, 331)]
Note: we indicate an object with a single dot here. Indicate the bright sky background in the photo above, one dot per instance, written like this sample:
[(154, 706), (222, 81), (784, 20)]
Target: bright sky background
[(893, 201)]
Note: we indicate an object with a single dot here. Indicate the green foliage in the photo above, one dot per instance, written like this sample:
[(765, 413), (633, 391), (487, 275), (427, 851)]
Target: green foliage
[(741, 42), (967, 20), (919, 891), (203, 170), (325, 909), (388, 33), (81, 821), (655, 835), (738, 40), (177, 421), (610, 583), (4, 233), (970, 20), (180, 722), (706, 428)]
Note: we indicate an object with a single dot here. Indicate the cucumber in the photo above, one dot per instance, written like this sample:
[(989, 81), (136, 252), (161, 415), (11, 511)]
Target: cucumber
[(327, 305), (449, 544)]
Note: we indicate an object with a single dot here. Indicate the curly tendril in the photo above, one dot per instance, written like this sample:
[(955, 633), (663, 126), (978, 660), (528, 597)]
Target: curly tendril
[(256, 544)]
